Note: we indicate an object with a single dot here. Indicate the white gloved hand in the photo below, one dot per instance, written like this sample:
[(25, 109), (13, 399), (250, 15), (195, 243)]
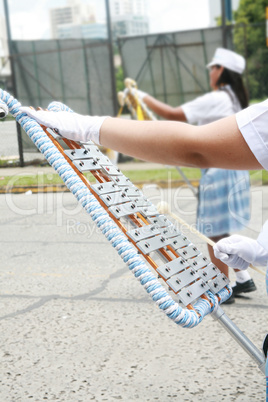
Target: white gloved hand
[(239, 251), (70, 125), (141, 94)]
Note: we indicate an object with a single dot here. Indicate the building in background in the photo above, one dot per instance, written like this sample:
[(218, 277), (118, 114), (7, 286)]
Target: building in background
[(76, 20), (73, 31), (129, 17)]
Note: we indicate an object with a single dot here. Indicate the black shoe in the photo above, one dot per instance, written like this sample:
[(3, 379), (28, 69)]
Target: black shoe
[(246, 287), (231, 300)]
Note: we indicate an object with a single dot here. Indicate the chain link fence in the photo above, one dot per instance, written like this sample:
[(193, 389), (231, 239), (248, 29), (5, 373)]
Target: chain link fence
[(75, 72), (170, 66)]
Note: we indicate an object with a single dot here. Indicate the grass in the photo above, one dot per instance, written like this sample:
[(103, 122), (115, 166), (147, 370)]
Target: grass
[(30, 180), (161, 174), (155, 175), (134, 175)]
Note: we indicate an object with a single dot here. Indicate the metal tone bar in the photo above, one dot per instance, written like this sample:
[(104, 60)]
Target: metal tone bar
[(170, 231), (160, 220), (121, 180), (218, 283), (103, 160), (192, 292), (142, 202), (111, 170), (179, 243), (220, 316), (172, 268), (199, 262), (105, 188), (208, 272), (132, 191), (152, 244), (147, 212), (142, 233), (189, 252), (128, 208), (115, 198), (86, 165), (87, 153), (183, 279)]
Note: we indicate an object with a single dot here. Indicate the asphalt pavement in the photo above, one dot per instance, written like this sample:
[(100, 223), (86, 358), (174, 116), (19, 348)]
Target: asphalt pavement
[(77, 326)]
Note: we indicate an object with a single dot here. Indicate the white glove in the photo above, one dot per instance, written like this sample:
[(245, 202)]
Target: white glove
[(70, 125), (141, 94), (238, 252)]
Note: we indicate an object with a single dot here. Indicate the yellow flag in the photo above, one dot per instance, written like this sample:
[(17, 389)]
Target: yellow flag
[(139, 112)]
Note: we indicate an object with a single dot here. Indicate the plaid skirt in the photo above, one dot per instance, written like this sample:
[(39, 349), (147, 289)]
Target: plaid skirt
[(224, 201)]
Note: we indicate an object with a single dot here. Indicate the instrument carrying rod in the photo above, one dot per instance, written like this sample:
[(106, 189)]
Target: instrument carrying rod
[(241, 338)]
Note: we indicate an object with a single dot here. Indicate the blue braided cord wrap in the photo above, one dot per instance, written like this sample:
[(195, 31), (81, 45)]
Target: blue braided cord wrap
[(58, 107), (2, 103), (183, 317), (225, 293), (3, 108)]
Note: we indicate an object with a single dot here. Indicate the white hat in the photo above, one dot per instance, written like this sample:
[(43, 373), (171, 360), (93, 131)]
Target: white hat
[(228, 59)]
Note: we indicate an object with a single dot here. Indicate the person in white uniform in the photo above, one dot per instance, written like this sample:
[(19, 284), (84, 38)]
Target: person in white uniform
[(236, 142), (224, 195)]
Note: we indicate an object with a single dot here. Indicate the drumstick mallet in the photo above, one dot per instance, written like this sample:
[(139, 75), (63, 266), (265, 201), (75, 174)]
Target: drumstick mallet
[(163, 208)]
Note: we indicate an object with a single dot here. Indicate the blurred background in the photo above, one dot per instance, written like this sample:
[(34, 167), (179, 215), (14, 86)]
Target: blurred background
[(79, 51)]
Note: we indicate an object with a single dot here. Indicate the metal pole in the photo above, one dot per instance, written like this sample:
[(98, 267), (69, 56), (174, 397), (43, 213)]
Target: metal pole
[(241, 338), (110, 44), (223, 23), (228, 10), (87, 80), (180, 94), (163, 72), (61, 73), (13, 78), (148, 57)]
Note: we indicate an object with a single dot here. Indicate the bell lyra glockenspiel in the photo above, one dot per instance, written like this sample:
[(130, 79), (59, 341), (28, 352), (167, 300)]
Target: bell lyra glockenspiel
[(179, 278)]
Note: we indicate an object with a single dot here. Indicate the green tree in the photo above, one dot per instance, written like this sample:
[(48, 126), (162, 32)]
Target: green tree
[(249, 38), (119, 75)]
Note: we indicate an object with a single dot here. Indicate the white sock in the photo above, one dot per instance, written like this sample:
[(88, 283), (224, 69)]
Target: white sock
[(242, 276)]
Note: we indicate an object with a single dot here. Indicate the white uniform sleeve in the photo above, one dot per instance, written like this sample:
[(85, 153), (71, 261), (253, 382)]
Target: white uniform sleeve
[(263, 236), (208, 108), (263, 241), (252, 122)]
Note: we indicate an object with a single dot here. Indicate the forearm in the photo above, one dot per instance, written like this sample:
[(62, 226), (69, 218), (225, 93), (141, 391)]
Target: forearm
[(162, 109), (219, 144), (176, 143), (153, 141)]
